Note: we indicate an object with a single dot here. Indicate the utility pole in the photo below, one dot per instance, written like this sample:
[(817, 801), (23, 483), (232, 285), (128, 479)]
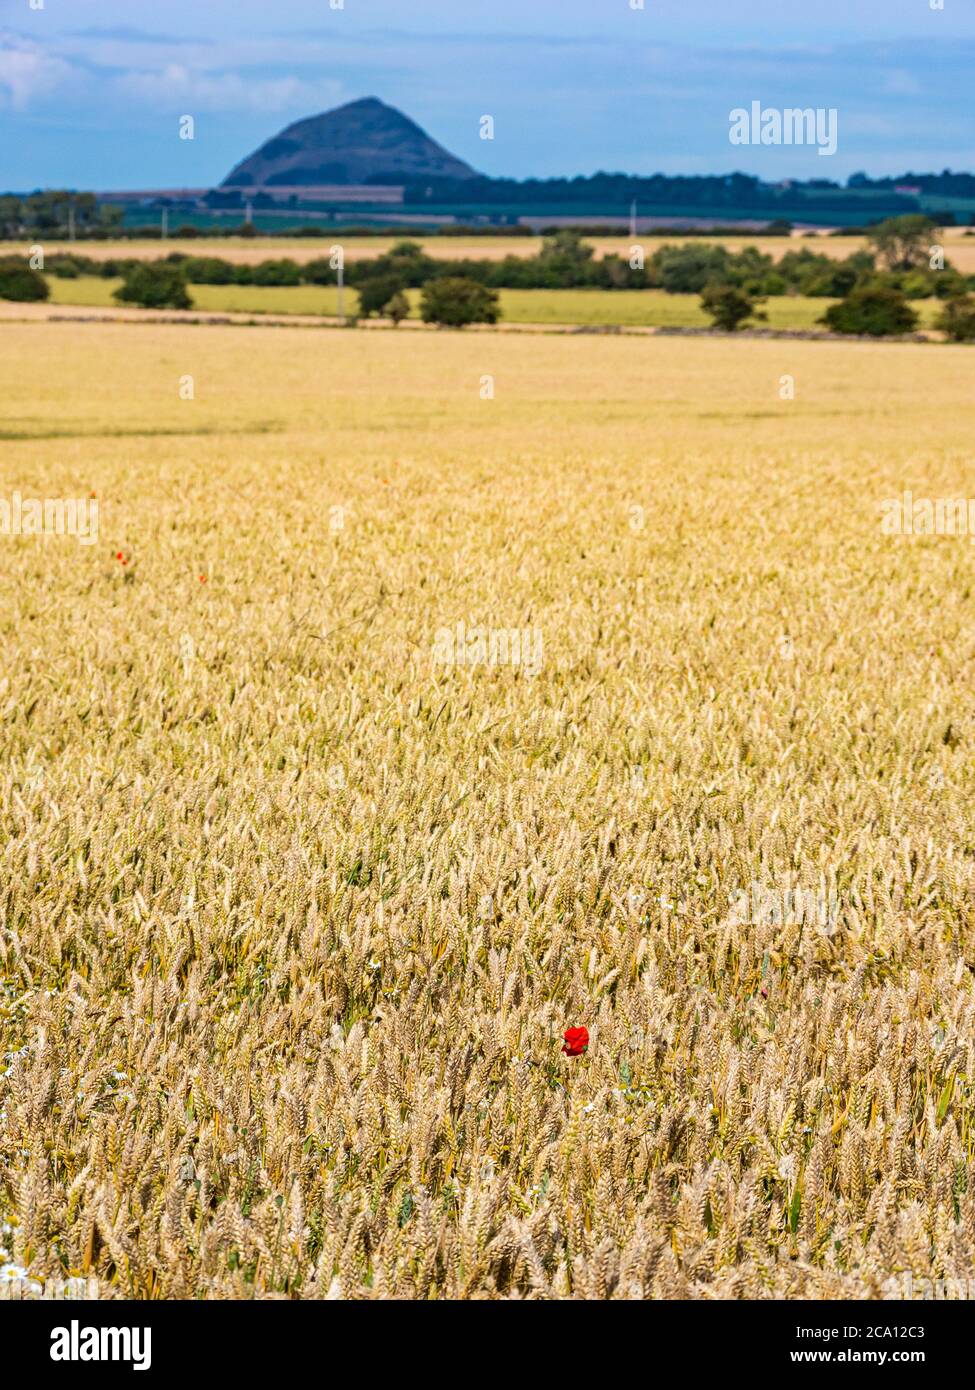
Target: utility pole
[(165, 223), (71, 220), (633, 219)]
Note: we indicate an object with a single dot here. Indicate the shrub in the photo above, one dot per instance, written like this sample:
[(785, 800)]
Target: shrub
[(406, 262), (566, 258), (774, 284), (319, 271), (18, 282), (957, 319), (209, 270), (64, 267), (728, 306), (819, 286), (950, 283), (69, 267), (822, 277), (874, 310), (615, 273), (917, 284), (283, 272), (453, 302), (845, 275), (748, 266), (375, 294), (397, 309), (155, 285), (687, 269), (112, 268)]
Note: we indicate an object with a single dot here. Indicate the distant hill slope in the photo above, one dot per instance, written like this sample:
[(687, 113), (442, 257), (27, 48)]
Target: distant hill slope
[(363, 142)]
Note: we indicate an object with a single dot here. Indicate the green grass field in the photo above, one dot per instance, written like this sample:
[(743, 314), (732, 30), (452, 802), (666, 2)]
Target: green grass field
[(92, 291), (623, 308)]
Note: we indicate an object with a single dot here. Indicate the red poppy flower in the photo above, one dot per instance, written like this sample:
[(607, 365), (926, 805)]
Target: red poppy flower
[(203, 579), (576, 1041), (120, 556)]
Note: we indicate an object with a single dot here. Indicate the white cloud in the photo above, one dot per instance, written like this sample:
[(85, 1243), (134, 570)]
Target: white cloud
[(27, 71), (177, 84)]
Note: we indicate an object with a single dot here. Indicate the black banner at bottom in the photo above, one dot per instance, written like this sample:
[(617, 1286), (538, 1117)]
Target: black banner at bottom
[(77, 1336)]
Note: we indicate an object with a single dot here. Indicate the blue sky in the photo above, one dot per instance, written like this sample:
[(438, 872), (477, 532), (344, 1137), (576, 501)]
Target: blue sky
[(91, 91)]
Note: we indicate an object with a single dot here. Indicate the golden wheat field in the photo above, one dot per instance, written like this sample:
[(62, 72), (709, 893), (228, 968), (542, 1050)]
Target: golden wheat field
[(300, 889), (959, 246)]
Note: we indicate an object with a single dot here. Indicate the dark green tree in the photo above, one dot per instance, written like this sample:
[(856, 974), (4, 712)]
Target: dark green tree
[(687, 269), (375, 294), (19, 282), (208, 270), (453, 302), (957, 319), (406, 262), (565, 259), (155, 285), (397, 309), (903, 243), (283, 272), (728, 306), (875, 310)]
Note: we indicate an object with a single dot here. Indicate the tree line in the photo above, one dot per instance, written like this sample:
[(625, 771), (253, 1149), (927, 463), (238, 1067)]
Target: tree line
[(903, 261)]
